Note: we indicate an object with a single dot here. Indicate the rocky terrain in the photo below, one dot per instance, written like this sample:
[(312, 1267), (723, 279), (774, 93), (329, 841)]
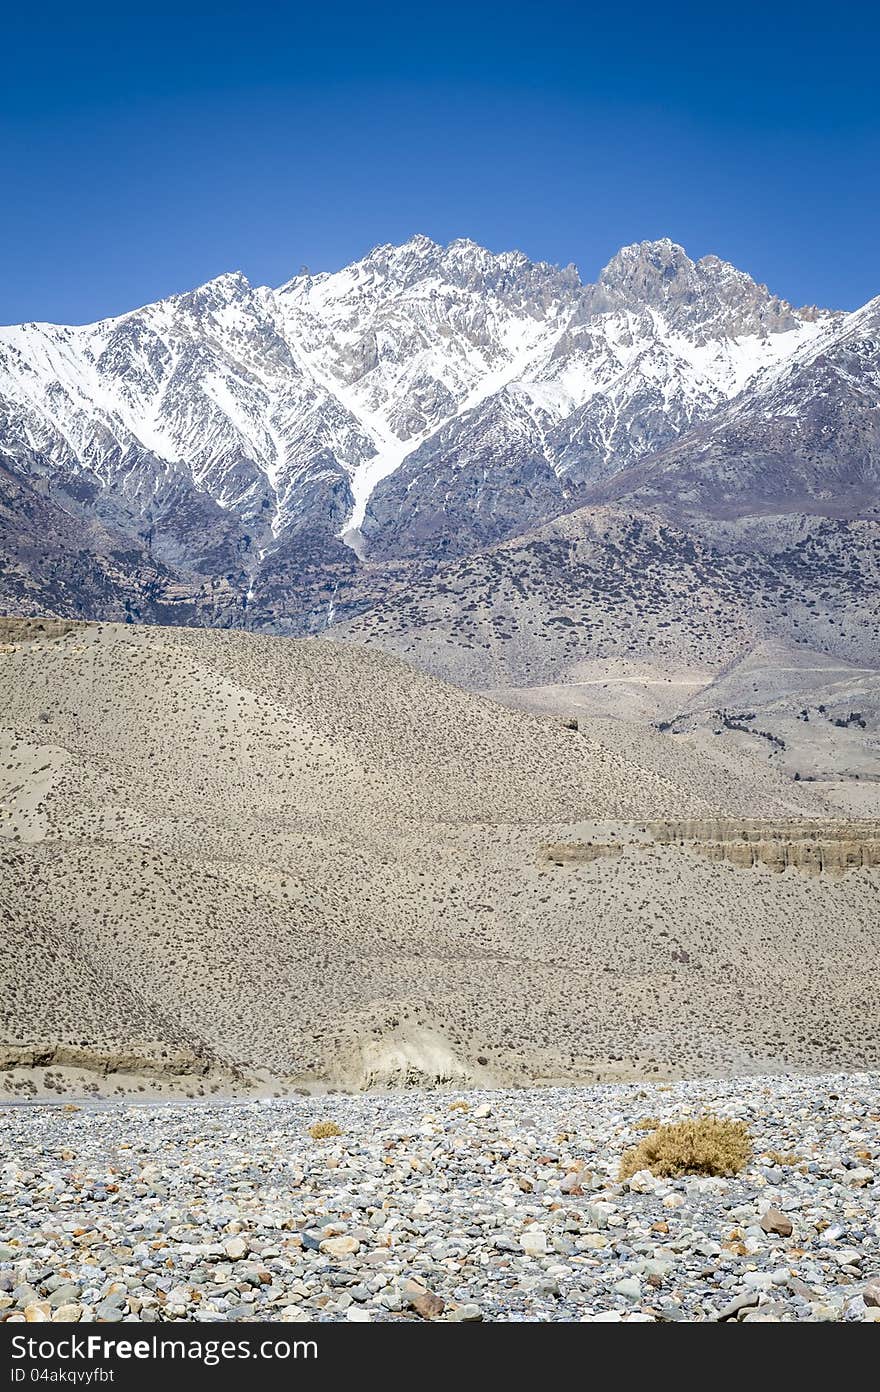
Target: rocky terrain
[(497, 1206), (239, 863), (600, 587)]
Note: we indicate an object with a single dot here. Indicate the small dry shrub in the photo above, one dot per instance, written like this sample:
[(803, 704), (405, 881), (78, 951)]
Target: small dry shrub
[(699, 1145), (323, 1130), (646, 1124)]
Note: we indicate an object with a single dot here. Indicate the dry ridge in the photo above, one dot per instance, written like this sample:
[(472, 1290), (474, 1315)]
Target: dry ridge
[(231, 861)]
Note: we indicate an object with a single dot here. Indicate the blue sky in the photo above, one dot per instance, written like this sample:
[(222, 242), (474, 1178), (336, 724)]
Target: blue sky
[(145, 149)]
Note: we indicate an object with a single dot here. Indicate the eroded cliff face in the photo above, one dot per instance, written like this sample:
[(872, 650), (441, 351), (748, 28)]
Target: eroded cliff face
[(812, 847), (14, 632), (151, 1058), (579, 853)]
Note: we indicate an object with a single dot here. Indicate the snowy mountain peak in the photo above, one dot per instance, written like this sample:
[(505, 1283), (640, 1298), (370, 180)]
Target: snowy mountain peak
[(423, 265), (651, 259), (384, 391), (223, 289)]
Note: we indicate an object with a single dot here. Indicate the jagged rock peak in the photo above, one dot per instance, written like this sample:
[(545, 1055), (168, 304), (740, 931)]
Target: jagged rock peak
[(461, 263), (222, 290), (658, 272), (709, 295)]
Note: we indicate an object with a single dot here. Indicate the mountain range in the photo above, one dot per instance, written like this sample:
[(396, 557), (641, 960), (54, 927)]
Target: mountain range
[(426, 400), (509, 477)]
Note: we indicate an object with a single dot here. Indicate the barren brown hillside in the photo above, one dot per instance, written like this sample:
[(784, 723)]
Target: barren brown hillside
[(238, 861)]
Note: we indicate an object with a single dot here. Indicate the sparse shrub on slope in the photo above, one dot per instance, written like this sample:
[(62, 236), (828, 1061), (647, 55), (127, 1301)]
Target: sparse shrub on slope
[(323, 1130), (699, 1145)]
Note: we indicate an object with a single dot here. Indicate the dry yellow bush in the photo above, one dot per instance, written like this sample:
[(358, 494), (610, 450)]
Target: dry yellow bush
[(646, 1124), (699, 1145), (322, 1130)]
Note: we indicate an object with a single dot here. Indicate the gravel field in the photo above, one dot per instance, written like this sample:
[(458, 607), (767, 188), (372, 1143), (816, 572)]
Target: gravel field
[(485, 1206)]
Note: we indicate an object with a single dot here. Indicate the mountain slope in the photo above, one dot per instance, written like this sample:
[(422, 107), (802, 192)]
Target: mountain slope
[(230, 857), (802, 437), (658, 343), (627, 615), (605, 586)]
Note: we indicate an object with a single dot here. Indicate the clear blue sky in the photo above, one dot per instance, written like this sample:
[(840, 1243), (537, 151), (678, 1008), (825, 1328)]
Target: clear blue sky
[(144, 149)]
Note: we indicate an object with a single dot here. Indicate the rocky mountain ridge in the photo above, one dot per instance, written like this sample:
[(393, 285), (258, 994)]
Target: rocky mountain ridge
[(229, 428)]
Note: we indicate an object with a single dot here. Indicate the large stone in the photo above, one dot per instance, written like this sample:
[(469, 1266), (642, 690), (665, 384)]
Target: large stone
[(62, 1295), (774, 1221), (572, 1183), (428, 1305), (857, 1179), (630, 1286), (68, 1314), (642, 1182), (466, 1314), (534, 1242), (340, 1246), (38, 1312), (740, 1302), (110, 1310)]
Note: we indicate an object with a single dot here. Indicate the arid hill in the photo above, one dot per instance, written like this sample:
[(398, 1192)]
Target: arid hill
[(235, 861)]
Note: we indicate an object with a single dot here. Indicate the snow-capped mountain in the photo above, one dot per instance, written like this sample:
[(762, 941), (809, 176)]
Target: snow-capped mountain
[(803, 437), (658, 343), (424, 395)]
